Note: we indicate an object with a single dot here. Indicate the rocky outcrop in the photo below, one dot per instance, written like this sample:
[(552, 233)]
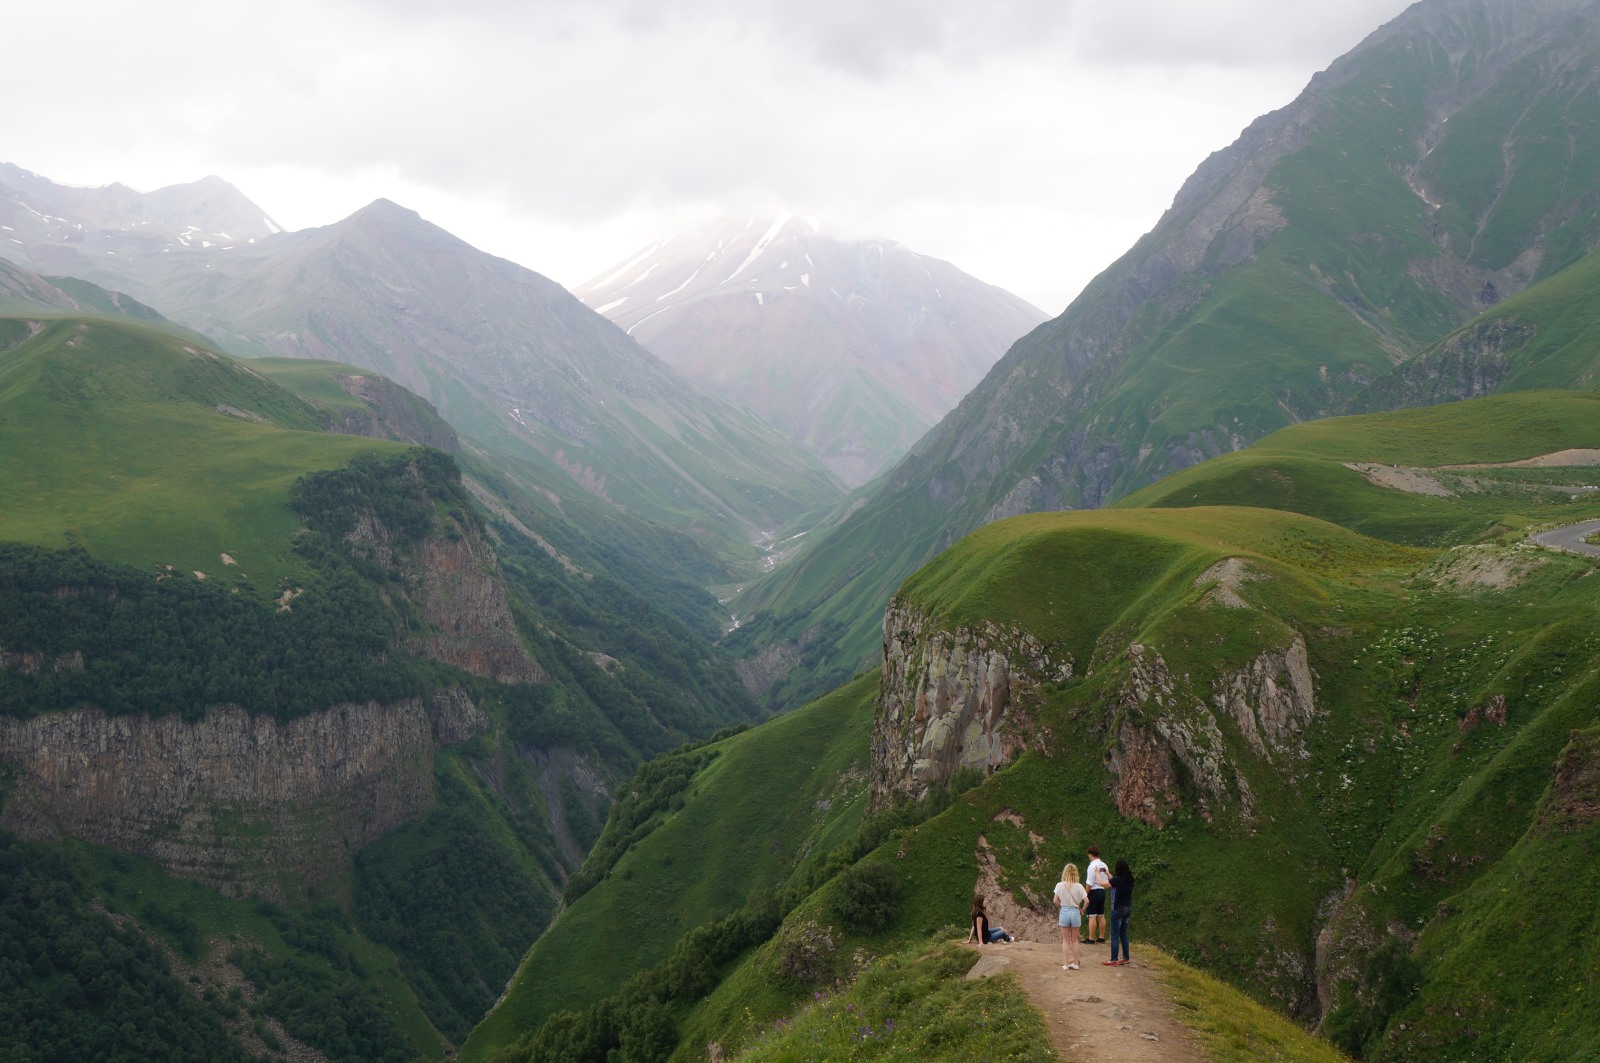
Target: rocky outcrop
[(1162, 732), (247, 804), (1470, 363), (1272, 700), (389, 411), (1166, 732), (455, 580), (949, 700), (468, 611), (1573, 802)]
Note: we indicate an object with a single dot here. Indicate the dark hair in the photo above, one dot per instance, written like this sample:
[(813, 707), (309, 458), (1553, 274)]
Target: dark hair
[(1092, 851), (977, 904), (1122, 870)]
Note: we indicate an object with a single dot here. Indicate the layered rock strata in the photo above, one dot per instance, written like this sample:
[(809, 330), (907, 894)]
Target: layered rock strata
[(247, 804)]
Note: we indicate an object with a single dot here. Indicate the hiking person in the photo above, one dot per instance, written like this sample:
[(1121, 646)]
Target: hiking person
[(1121, 908), (1070, 898), (1099, 880)]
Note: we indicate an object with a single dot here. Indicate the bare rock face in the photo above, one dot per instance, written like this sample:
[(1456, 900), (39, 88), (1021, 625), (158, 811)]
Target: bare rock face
[(468, 611), (243, 803), (949, 700), (455, 579), (1272, 700), (1165, 726), (392, 412), (1161, 729)]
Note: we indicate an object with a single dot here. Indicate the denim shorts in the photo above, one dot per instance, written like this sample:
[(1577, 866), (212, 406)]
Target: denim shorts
[(1071, 917)]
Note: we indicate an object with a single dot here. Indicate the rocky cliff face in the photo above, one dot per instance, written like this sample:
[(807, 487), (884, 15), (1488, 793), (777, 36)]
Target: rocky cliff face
[(468, 611), (453, 576), (949, 700), (389, 411), (244, 803), (1167, 731)]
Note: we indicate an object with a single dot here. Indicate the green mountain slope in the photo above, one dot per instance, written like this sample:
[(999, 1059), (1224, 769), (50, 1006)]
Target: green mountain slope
[(1425, 476), (1544, 337), (506, 355), (1347, 771), (1432, 171), (388, 708), (705, 830), (123, 438)]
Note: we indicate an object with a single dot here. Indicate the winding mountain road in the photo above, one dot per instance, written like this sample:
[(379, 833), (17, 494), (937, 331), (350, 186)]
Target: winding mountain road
[(1571, 538)]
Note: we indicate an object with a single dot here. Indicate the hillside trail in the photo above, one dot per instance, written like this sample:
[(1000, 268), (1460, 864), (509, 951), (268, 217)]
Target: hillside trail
[(1096, 1012)]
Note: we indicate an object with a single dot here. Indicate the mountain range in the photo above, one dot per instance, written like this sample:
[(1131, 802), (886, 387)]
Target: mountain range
[(345, 721), (1432, 172), (854, 348), (506, 355)]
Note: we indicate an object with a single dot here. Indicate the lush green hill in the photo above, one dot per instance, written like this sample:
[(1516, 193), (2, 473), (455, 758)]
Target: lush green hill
[(1351, 840), (1433, 489), (1425, 176), (134, 459)]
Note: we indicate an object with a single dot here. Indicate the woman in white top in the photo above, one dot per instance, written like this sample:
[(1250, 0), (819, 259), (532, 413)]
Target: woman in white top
[(1070, 899)]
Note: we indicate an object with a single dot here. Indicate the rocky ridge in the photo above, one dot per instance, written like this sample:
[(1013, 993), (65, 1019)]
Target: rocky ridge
[(952, 700)]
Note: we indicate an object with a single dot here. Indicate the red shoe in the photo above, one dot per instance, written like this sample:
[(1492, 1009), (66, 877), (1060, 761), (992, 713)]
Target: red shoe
[(1111, 963)]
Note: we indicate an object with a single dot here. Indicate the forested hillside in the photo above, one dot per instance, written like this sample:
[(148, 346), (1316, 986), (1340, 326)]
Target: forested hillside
[(354, 697)]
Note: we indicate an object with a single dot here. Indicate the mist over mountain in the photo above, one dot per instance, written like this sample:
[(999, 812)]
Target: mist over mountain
[(853, 347), (508, 356), (52, 226)]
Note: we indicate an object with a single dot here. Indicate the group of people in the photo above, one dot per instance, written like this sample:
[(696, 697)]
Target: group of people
[(1081, 905)]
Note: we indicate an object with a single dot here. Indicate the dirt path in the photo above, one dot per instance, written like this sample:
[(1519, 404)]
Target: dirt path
[(1096, 1012)]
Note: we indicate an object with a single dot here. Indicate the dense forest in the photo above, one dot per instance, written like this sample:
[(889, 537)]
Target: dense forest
[(75, 985)]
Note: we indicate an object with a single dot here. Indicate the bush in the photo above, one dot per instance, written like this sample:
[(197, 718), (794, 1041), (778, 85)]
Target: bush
[(865, 897), (805, 953)]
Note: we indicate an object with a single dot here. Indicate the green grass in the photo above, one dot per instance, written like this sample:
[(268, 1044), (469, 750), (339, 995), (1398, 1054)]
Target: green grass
[(777, 799), (110, 438), (910, 1005), (1301, 469), (315, 381), (1229, 1026)]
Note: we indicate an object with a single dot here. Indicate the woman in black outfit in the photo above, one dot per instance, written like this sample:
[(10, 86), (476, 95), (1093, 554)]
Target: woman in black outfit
[(1121, 908), (980, 922), (980, 932)]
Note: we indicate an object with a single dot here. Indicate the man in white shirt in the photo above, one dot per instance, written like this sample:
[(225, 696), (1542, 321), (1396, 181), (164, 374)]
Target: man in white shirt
[(1098, 879)]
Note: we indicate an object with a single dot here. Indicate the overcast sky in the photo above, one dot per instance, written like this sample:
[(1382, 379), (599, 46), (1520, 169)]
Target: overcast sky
[(1030, 142)]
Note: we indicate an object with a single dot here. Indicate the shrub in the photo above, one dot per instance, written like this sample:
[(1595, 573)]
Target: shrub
[(865, 898), (805, 953)]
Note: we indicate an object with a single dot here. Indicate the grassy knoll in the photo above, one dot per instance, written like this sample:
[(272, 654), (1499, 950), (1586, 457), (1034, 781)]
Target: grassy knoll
[(911, 1003), (125, 440)]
